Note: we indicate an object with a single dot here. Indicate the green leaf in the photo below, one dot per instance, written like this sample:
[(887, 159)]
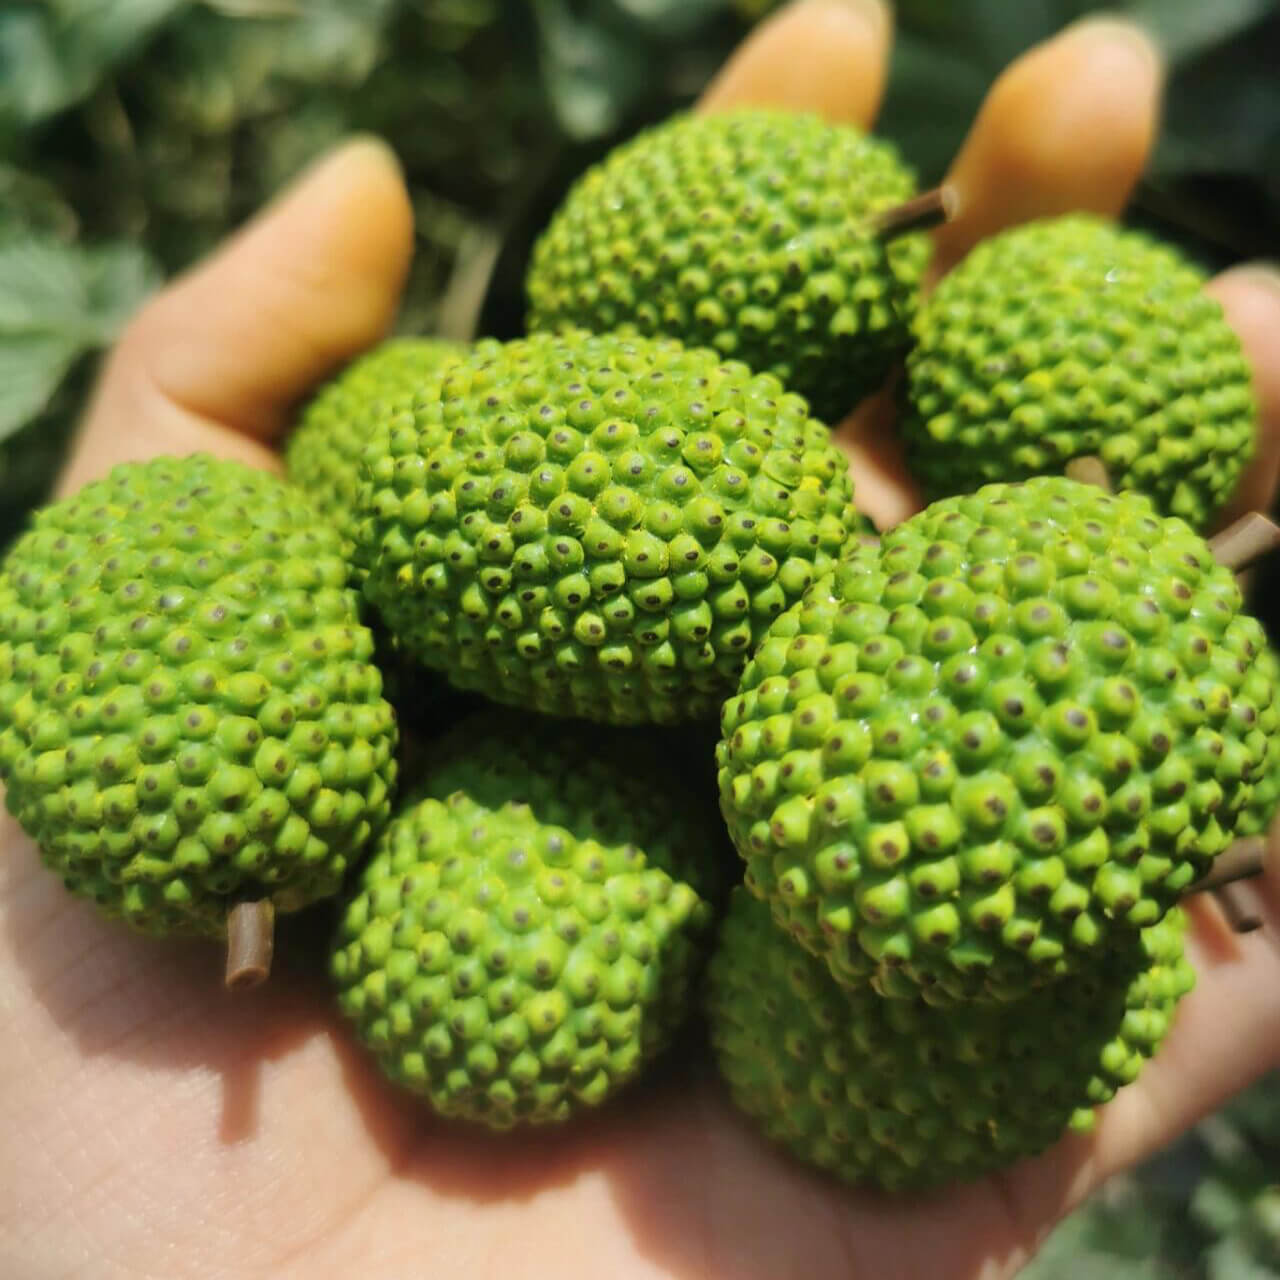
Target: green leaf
[(32, 367), (57, 302), (31, 205), (593, 73), (56, 54), (1233, 1259)]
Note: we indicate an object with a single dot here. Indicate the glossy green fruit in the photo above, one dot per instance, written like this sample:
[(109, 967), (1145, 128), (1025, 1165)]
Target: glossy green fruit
[(189, 714), (598, 526), (748, 231), (1070, 337), (998, 742), (322, 455), (530, 931), (903, 1095)]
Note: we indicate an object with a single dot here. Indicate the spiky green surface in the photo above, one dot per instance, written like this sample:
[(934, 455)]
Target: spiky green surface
[(997, 743), (1264, 800), (748, 231), (322, 455), (904, 1095), (188, 712), (598, 526), (527, 936), (1067, 337)]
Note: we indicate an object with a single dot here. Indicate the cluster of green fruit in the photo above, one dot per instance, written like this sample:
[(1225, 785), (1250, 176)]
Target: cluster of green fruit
[(970, 766)]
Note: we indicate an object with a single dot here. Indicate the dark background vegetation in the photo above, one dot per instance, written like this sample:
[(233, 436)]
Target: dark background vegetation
[(135, 133)]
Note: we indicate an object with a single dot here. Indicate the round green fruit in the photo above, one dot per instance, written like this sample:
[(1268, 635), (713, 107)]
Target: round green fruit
[(189, 716), (751, 232), (529, 933), (903, 1095), (998, 742), (322, 454), (1264, 799), (598, 526), (1070, 337)]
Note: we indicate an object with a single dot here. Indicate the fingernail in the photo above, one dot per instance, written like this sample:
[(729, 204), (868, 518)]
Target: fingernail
[(1261, 272), (1120, 34)]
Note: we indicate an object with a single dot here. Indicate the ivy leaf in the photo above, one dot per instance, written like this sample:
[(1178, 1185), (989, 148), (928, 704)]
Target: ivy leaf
[(593, 73), (58, 302), (56, 54)]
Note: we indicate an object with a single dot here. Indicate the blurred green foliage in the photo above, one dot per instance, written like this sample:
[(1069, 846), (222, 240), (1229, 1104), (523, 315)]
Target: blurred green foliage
[(135, 133), (1207, 1208)]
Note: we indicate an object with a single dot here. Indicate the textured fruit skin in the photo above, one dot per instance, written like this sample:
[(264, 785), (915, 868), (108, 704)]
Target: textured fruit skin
[(997, 743), (528, 935), (747, 231), (1264, 800), (1067, 337), (598, 526), (904, 1095), (188, 711), (322, 454)]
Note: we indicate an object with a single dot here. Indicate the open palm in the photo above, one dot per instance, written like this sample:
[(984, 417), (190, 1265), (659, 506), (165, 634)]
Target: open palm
[(152, 1125)]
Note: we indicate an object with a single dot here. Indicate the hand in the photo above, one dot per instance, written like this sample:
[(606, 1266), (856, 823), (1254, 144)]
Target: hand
[(150, 1124)]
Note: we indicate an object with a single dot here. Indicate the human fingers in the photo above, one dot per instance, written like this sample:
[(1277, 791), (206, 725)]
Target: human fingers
[(826, 56), (1250, 297), (1067, 126), (1225, 1036), (216, 361)]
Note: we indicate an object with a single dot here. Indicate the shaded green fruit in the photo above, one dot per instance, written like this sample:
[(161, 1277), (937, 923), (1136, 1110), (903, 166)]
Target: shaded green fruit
[(1264, 800), (1068, 337), (748, 231), (188, 710), (904, 1095), (997, 742), (322, 455), (528, 935), (598, 526)]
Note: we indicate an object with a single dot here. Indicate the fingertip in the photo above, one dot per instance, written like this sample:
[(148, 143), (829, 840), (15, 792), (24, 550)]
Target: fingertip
[(825, 56), (1250, 298), (312, 280), (1067, 126)]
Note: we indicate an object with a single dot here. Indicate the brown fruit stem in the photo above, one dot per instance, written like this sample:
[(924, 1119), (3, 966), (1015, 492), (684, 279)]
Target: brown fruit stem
[(929, 209), (1239, 861), (1237, 909), (1248, 539), (250, 943)]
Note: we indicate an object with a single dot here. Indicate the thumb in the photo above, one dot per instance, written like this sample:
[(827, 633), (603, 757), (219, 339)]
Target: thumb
[(217, 360)]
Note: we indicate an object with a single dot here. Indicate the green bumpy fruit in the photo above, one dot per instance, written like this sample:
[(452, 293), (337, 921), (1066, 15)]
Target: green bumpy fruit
[(1264, 800), (997, 743), (529, 934), (188, 711), (598, 526), (322, 455), (903, 1095), (750, 232), (1071, 337)]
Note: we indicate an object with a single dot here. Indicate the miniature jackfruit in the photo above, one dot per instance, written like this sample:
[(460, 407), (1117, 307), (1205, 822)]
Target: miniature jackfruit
[(751, 232), (189, 715), (997, 742), (597, 526), (1068, 337), (531, 929), (322, 454), (904, 1095)]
